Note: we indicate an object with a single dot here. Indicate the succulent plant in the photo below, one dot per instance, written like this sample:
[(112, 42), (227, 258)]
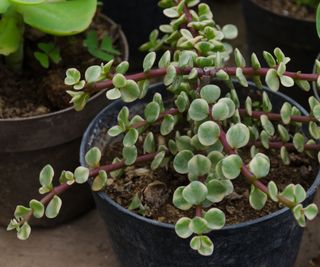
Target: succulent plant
[(219, 127), (70, 17)]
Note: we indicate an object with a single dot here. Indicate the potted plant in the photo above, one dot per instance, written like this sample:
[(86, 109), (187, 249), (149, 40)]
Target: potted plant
[(190, 147), (36, 119), (289, 24)]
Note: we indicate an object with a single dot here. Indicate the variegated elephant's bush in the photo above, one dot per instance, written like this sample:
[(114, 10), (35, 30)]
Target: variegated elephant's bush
[(219, 127)]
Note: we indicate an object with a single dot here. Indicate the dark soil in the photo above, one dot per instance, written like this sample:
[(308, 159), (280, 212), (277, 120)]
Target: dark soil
[(156, 188), (36, 90), (288, 8), (315, 262)]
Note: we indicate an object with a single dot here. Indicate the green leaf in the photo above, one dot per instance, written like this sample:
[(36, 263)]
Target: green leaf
[(46, 176), (304, 85), (113, 94), (299, 216), (284, 154), (269, 59), (272, 80), (100, 181), (266, 103), (299, 193), (164, 61), (81, 174), (298, 142), (135, 203), (148, 61), (70, 17), (178, 200), (131, 137), (199, 165), (24, 231), (171, 12), (116, 173), (257, 198), (11, 35), (182, 102), (149, 145), (287, 81), (167, 125), (239, 59), (230, 31), (195, 193), (93, 157), (182, 227), (285, 113), (21, 212), (288, 192), (42, 58), (202, 244), (208, 133), (129, 154), (273, 191), (210, 93), (260, 165), (170, 76), (184, 143), (216, 190), (158, 159), (115, 131), (229, 103), (180, 162), (199, 110), (152, 111), (248, 105), (66, 177), (311, 211), (37, 208), (53, 207), (238, 135), (4, 4), (73, 76), (255, 61), (220, 111), (231, 166), (122, 67), (241, 78), (199, 225), (119, 81), (267, 125), (215, 219)]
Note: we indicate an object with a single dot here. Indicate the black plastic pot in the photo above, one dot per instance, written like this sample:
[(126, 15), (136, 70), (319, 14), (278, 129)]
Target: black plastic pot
[(138, 18), (297, 38), (314, 84), (270, 241), (27, 144)]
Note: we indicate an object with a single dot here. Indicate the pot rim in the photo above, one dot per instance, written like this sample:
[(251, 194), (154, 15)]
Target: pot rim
[(281, 15), (262, 219), (125, 48)]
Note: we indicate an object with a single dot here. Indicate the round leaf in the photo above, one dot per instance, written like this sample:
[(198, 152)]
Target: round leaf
[(238, 135), (195, 193), (208, 133), (53, 207)]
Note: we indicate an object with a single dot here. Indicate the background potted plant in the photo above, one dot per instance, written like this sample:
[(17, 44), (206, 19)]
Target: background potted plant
[(289, 24), (209, 134), (35, 116)]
